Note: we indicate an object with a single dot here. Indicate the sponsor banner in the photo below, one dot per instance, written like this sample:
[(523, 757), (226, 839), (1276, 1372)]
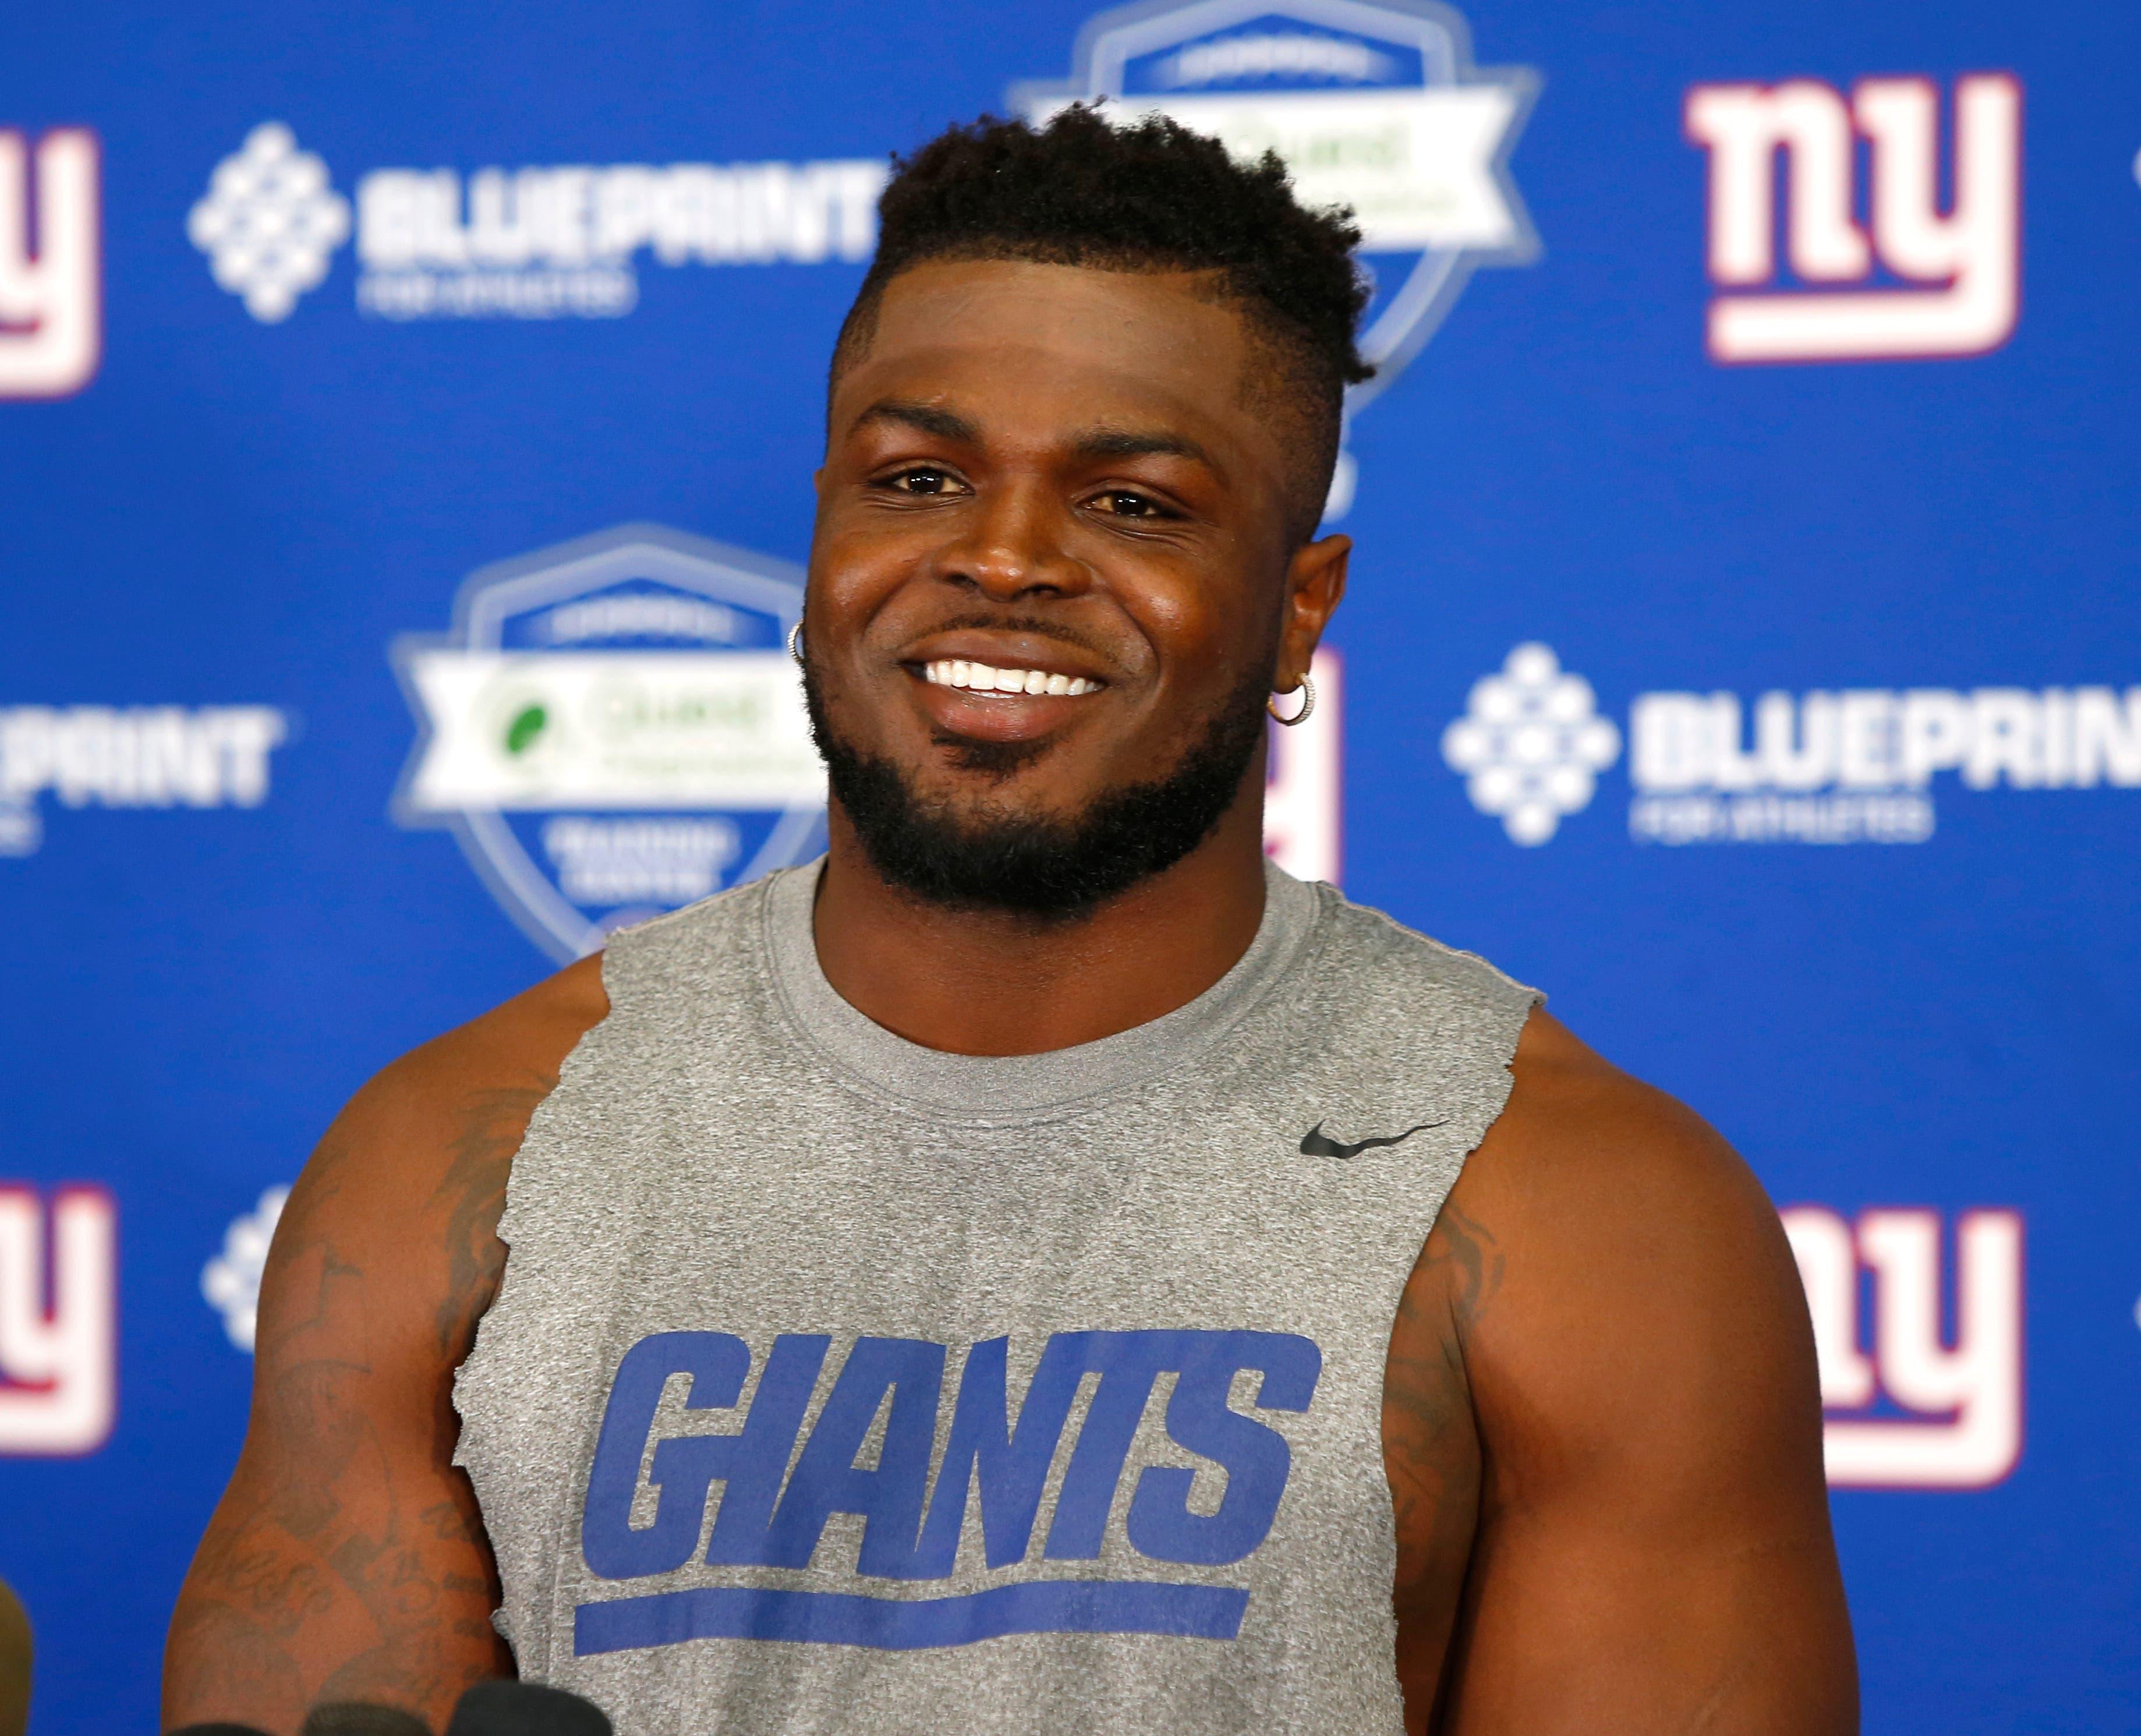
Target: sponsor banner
[(1904, 1407), (614, 728), (610, 729), (1933, 282), (59, 1313), (51, 266), (1847, 765), (536, 242), (131, 756)]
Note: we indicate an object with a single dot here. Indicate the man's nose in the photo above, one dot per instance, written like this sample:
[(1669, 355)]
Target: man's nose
[(1012, 547)]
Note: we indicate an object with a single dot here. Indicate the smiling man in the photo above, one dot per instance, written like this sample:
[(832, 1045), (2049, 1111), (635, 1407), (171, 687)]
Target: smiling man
[(1040, 1267)]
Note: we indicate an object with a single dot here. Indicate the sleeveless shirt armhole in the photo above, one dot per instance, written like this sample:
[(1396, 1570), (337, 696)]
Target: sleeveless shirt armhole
[(478, 1382), (1494, 1004)]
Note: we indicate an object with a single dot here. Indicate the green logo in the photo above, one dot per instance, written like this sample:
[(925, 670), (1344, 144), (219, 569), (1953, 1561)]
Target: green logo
[(527, 722)]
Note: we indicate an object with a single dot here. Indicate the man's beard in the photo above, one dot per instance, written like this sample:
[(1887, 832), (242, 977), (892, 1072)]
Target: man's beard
[(991, 858)]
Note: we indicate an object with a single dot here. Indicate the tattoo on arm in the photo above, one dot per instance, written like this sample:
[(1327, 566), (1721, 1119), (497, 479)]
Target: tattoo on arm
[(340, 1566), (1430, 1443), (473, 1193)]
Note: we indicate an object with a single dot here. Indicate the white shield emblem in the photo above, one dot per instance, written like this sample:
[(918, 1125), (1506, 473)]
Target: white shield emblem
[(614, 728), (1374, 103)]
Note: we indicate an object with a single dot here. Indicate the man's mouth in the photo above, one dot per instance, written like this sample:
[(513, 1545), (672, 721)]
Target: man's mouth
[(980, 677)]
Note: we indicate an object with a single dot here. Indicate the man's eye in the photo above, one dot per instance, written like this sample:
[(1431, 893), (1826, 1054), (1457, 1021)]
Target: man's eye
[(1121, 503), (921, 479)]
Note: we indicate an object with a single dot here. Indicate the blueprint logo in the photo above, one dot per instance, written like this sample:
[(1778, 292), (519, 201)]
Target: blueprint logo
[(59, 1307), (1128, 1502), (1847, 765), (1929, 283), (270, 222), (536, 242), (1531, 744), (1904, 1408), (614, 728), (131, 756), (51, 320), (1374, 103), (1858, 765)]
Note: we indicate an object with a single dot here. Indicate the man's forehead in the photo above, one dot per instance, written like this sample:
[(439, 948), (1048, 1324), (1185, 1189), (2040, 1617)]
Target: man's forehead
[(1138, 354), (1093, 438)]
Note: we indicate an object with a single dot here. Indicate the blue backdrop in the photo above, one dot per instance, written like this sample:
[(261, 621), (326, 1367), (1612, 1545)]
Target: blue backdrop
[(405, 430)]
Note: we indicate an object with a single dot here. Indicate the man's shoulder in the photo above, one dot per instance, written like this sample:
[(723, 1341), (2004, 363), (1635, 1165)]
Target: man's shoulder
[(1639, 1259), (518, 1045), (1580, 1134), (399, 1141)]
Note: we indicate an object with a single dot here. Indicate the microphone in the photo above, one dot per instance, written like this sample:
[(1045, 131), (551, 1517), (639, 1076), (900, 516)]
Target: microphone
[(489, 1708), (361, 1717), (525, 1708), (336, 1718)]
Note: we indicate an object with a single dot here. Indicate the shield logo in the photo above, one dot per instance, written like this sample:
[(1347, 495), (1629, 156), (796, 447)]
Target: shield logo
[(1375, 104), (614, 728)]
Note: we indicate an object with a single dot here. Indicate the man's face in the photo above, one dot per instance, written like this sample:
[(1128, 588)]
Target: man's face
[(1051, 472)]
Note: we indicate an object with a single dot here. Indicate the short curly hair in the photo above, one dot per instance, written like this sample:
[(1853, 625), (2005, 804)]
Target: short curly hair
[(1150, 196)]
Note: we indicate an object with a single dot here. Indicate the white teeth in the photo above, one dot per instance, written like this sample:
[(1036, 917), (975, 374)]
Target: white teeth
[(981, 677)]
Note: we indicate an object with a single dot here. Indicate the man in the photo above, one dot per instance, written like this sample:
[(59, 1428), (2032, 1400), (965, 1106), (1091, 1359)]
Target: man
[(1040, 1270)]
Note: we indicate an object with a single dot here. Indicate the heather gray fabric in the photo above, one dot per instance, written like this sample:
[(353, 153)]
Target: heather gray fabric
[(1121, 1248)]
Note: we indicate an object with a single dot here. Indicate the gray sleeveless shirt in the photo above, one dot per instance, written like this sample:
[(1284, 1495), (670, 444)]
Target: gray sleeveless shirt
[(839, 1385)]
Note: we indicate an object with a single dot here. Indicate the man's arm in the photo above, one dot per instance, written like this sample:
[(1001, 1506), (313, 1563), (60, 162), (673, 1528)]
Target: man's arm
[(347, 1561), (1652, 1550)]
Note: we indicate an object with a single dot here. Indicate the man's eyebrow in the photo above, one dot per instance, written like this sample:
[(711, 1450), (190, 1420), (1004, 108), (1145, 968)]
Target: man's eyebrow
[(1130, 443), (929, 418)]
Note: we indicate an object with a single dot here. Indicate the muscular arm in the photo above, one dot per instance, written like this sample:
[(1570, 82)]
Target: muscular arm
[(1602, 1420), (346, 1560)]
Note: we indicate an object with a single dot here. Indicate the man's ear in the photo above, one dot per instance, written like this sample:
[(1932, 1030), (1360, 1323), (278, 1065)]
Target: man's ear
[(1314, 581)]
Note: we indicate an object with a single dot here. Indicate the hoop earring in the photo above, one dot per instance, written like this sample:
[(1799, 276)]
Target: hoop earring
[(1307, 691), (795, 642)]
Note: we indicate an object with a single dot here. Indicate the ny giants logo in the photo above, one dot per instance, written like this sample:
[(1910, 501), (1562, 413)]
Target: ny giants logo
[(1928, 1416), (58, 1309), (648, 1487), (51, 316), (1954, 288)]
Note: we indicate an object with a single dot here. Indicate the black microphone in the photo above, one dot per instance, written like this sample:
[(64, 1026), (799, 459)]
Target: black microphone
[(339, 1718), (363, 1718), (525, 1708)]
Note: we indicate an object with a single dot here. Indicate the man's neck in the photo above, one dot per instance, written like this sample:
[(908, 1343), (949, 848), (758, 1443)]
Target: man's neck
[(984, 983)]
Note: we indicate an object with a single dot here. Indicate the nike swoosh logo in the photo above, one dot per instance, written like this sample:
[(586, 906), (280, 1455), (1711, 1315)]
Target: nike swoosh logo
[(1317, 1143)]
